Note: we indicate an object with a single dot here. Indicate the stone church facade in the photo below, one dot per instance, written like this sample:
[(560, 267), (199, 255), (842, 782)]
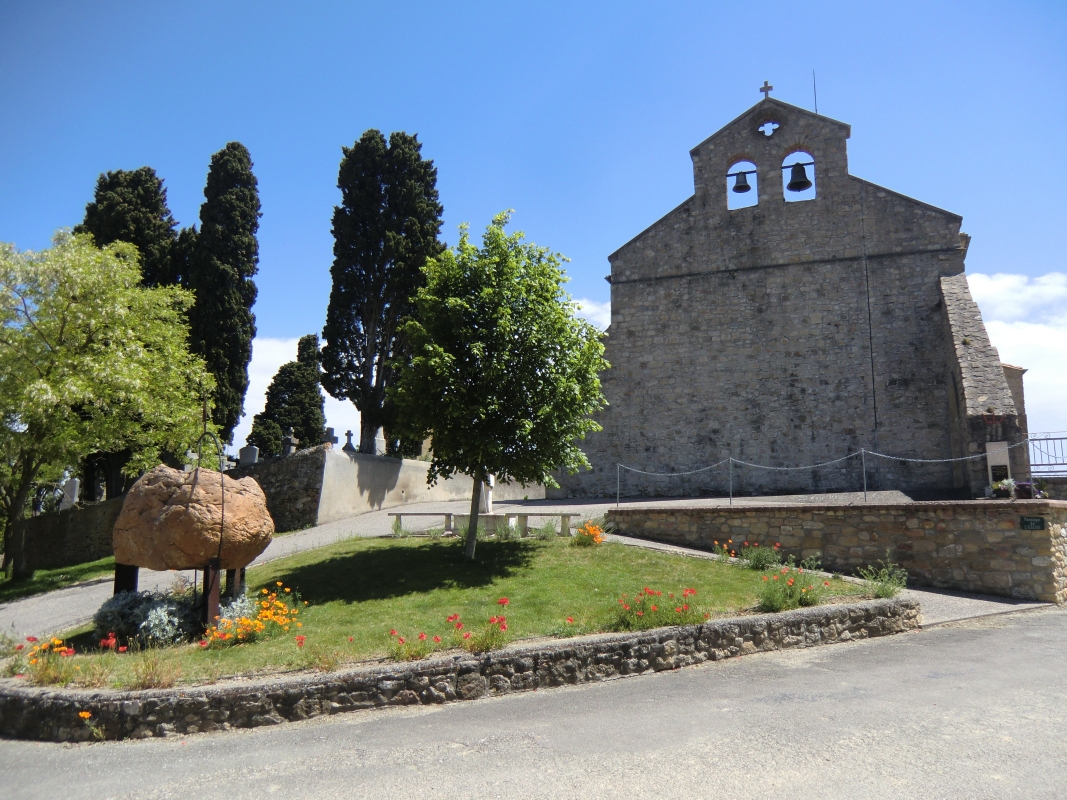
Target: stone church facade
[(793, 333)]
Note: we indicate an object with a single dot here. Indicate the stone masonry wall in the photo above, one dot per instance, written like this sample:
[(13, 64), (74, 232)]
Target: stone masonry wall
[(52, 714), (73, 536), (975, 546), (293, 486), (784, 334)]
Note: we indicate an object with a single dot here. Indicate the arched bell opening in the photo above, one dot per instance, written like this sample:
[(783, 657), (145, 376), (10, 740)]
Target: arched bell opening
[(742, 190), (798, 177)]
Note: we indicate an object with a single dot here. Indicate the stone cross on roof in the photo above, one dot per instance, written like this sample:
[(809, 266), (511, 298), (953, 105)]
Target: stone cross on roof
[(766, 89)]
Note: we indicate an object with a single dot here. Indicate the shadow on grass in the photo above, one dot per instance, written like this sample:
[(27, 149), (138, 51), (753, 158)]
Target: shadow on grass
[(397, 570)]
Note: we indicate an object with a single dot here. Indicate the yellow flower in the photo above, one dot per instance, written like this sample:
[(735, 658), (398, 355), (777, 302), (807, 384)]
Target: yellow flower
[(279, 583), (85, 714)]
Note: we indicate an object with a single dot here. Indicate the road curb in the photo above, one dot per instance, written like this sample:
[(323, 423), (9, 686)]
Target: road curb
[(50, 714)]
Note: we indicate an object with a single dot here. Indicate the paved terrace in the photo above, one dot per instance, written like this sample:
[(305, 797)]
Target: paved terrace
[(64, 609)]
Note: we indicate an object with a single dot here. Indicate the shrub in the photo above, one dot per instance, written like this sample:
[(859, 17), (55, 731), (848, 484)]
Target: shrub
[(148, 618), (648, 610), (787, 589), (760, 558), (545, 532), (884, 582), (589, 535)]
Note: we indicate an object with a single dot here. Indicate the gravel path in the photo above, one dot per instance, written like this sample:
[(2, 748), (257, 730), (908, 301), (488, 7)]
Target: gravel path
[(64, 609)]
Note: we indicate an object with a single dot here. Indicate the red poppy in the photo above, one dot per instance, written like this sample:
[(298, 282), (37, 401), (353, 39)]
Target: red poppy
[(826, 583), (437, 640), (625, 606), (392, 632), (203, 643), (422, 637), (570, 620), (31, 639), (467, 635), (678, 610), (400, 639), (350, 638), (503, 601), (492, 620), (640, 613), (764, 577), (459, 626), (122, 649), (654, 608), (503, 626)]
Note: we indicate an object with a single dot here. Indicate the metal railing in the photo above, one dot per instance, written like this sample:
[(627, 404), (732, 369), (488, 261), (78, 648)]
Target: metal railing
[(1048, 454)]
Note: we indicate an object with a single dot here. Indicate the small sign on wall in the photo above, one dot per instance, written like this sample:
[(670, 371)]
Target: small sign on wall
[(1032, 523)]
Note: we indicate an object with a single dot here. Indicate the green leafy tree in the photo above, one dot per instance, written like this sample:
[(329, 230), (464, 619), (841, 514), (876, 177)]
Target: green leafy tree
[(131, 206), (90, 360), (221, 264), (294, 400), (384, 231), (503, 375)]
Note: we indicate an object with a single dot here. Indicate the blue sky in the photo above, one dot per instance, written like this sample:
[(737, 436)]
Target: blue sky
[(579, 116)]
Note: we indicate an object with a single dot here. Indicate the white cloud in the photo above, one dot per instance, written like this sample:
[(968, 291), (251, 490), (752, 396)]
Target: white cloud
[(598, 314), (267, 356), (1019, 298), (1026, 323)]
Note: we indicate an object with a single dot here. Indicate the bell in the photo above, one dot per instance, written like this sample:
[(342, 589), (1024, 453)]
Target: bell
[(798, 179), (741, 183)]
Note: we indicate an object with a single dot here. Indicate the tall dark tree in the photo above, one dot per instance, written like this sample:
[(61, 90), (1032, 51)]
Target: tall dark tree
[(294, 400), (384, 231), (128, 206), (131, 206), (220, 268)]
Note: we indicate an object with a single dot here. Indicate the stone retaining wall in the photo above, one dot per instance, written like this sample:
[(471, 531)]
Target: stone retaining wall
[(973, 546), (73, 536), (52, 714)]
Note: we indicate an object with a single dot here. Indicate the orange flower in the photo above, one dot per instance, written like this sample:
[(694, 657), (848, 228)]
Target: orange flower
[(85, 714)]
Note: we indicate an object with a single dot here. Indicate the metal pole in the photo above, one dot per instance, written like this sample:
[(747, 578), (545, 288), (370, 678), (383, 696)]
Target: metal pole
[(730, 462), (863, 455), (618, 482)]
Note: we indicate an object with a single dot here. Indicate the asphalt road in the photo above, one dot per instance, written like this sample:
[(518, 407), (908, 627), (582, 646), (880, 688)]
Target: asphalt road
[(976, 709)]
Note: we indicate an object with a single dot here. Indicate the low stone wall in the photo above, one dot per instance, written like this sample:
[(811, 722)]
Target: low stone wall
[(73, 536), (52, 714), (973, 546), (1057, 488)]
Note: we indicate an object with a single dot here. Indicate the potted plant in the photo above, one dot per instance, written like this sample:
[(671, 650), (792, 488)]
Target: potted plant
[(1004, 488)]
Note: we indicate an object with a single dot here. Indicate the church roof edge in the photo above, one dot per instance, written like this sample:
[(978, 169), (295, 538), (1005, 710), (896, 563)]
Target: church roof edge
[(910, 199), (771, 102)]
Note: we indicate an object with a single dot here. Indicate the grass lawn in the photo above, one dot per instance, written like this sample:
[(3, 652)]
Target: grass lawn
[(45, 580), (363, 588)]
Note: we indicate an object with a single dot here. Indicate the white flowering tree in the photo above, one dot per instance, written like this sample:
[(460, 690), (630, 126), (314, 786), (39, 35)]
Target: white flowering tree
[(90, 360)]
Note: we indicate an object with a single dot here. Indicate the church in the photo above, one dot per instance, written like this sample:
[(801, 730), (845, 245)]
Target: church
[(789, 314)]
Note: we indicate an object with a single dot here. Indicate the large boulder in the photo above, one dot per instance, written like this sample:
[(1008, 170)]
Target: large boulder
[(170, 520)]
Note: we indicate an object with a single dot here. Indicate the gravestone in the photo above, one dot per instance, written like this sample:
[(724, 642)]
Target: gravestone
[(349, 447), (249, 455), (329, 437), (289, 443)]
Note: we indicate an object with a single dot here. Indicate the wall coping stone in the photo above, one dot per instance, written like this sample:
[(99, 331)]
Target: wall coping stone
[(51, 714), (993, 504)]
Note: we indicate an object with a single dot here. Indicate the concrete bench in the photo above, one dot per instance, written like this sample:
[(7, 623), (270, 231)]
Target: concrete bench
[(519, 520)]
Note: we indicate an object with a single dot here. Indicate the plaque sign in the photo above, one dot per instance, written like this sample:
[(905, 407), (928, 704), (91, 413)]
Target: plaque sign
[(999, 472), (1032, 523)]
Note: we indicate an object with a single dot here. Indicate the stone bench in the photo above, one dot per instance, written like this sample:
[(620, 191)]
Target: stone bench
[(492, 522)]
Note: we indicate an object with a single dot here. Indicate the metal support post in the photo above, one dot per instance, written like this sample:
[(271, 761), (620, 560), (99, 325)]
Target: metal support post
[(863, 456), (618, 483)]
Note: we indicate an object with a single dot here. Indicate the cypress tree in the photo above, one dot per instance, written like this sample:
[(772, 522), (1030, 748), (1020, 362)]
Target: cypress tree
[(131, 206), (294, 400), (220, 269), (384, 231)]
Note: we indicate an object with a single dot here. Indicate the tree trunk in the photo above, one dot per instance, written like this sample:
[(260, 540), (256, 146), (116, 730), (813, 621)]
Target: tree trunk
[(19, 569), (367, 432), (472, 527)]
